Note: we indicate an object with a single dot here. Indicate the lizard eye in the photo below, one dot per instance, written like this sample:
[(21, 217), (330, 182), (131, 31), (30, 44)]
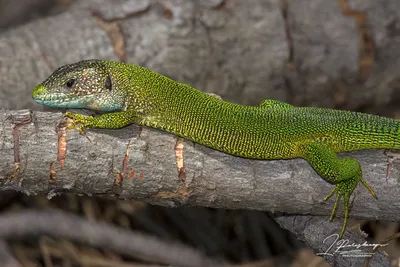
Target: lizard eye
[(107, 83), (70, 83)]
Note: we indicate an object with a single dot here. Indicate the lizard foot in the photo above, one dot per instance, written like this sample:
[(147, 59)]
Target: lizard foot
[(344, 173), (345, 188), (79, 121)]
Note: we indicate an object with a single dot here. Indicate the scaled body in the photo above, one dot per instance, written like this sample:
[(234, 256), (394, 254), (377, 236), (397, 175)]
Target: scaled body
[(273, 130)]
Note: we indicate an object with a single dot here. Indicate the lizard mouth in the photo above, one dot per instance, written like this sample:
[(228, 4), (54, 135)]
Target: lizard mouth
[(59, 100)]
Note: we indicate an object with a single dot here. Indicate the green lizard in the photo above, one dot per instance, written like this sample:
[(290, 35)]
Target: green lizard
[(127, 94)]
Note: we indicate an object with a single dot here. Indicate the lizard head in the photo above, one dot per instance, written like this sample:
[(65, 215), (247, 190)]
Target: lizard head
[(86, 84)]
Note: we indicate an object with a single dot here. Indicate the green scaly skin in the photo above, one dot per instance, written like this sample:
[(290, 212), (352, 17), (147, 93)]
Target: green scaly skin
[(273, 130)]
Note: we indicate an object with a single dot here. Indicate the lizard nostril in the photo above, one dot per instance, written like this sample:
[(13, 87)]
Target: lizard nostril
[(39, 91)]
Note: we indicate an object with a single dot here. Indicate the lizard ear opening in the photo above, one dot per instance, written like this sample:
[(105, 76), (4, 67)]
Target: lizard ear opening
[(107, 83)]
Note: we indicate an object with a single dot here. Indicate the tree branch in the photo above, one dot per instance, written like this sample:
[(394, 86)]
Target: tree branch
[(315, 232), (40, 156), (14, 225), (289, 54)]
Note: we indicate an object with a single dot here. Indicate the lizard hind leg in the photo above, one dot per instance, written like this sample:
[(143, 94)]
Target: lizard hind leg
[(344, 173)]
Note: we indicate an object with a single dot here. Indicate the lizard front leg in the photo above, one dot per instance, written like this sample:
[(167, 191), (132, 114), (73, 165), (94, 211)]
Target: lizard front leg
[(344, 173), (112, 120)]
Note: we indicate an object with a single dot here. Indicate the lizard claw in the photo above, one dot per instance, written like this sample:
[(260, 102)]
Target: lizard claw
[(339, 194), (345, 189), (78, 121)]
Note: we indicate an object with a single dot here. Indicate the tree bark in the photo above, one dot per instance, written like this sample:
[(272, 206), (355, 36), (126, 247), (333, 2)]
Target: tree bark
[(296, 51), (40, 155)]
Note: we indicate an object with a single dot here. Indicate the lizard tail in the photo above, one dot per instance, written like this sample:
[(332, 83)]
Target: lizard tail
[(386, 133), (367, 131)]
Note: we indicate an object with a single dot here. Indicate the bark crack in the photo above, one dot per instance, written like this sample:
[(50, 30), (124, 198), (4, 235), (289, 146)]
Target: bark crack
[(367, 49)]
